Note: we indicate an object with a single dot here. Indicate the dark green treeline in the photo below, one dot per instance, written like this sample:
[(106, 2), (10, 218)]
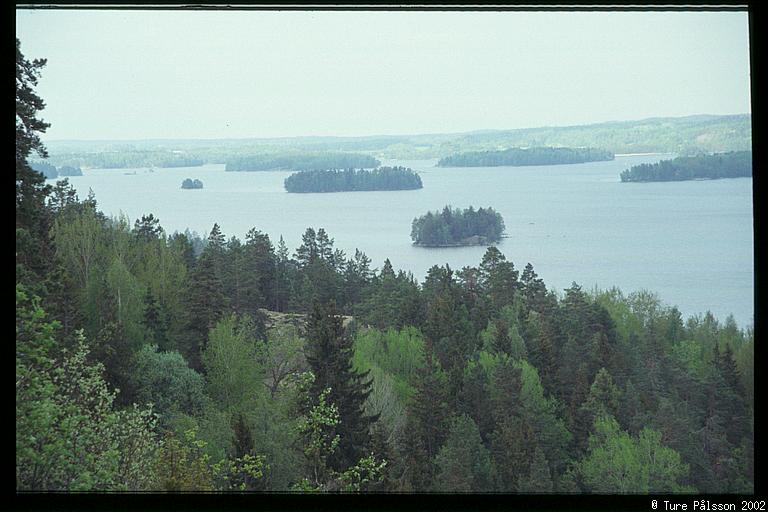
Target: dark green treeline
[(338, 180), (525, 156), (735, 164)]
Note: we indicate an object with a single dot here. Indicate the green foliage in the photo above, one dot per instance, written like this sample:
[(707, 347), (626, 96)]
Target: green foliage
[(734, 164), (526, 156), (335, 180), (539, 479), (69, 436), (464, 464), (233, 362), (453, 226), (182, 464), (329, 354), (619, 463), (398, 354), (165, 380), (318, 429)]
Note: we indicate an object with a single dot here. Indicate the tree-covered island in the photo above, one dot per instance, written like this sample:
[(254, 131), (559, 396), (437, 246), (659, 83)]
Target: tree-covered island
[(301, 161), (353, 180), (52, 172), (526, 156), (191, 184), (735, 164), (455, 227)]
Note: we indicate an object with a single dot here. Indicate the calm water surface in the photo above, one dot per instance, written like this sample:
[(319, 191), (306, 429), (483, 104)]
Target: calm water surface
[(690, 242)]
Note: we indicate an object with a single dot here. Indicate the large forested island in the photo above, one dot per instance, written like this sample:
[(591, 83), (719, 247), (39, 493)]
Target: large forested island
[(301, 161), (734, 164), (342, 180), (149, 361), (525, 156), (453, 227)]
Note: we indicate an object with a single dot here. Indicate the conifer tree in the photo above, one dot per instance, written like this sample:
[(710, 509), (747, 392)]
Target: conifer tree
[(329, 355), (205, 304)]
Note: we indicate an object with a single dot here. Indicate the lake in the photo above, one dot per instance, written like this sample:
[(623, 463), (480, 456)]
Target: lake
[(691, 242)]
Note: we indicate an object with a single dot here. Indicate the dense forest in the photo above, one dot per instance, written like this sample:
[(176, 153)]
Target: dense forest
[(301, 161), (336, 180), (454, 227), (53, 172), (149, 361), (189, 183), (735, 164), (526, 156)]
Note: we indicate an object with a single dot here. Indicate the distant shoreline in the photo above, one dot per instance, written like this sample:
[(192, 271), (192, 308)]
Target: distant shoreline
[(640, 154)]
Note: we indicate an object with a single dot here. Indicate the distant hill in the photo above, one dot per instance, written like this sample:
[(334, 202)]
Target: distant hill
[(689, 135)]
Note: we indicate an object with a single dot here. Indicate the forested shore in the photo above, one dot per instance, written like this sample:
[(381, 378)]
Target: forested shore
[(734, 164), (516, 157), (301, 161)]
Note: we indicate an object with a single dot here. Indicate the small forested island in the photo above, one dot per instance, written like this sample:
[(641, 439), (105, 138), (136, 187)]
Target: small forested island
[(454, 227), (301, 161), (51, 171), (191, 184), (352, 180), (735, 164), (526, 156)]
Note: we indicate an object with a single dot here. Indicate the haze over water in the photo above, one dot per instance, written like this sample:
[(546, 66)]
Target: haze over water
[(690, 242)]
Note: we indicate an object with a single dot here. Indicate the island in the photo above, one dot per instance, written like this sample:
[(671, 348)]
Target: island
[(351, 180), (191, 184), (734, 164), (67, 170), (301, 161), (515, 157), (453, 227), (52, 172)]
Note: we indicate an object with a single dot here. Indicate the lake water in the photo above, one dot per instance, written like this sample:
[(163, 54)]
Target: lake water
[(691, 242)]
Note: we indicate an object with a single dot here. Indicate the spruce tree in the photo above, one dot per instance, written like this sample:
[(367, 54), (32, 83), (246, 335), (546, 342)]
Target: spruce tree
[(205, 305), (329, 355)]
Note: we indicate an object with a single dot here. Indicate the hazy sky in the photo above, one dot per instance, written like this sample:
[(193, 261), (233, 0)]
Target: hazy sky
[(217, 74)]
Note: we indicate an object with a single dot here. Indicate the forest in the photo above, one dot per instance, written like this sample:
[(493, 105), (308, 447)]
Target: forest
[(734, 164), (166, 362), (301, 161), (455, 227), (526, 156), (338, 180)]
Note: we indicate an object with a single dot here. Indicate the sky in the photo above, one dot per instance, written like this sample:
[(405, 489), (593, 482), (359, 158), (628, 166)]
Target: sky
[(138, 74)]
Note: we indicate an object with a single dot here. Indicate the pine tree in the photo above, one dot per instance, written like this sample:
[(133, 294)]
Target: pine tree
[(147, 228)]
